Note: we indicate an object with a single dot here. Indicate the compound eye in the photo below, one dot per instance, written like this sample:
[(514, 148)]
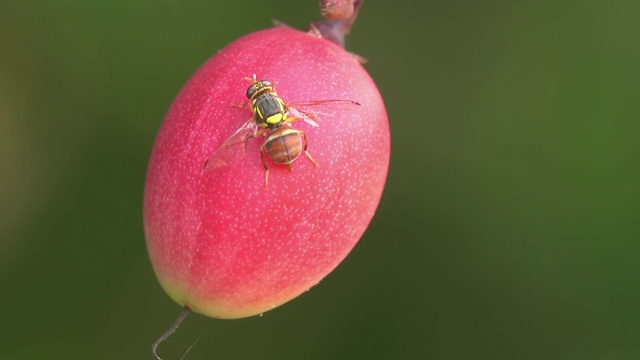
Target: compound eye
[(250, 91), (266, 83)]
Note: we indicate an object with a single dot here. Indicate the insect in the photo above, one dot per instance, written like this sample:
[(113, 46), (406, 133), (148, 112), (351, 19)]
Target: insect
[(272, 118)]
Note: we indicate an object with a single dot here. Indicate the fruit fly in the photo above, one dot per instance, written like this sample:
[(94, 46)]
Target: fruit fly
[(272, 118)]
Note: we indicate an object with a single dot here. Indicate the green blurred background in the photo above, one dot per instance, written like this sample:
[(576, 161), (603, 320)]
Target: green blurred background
[(508, 228)]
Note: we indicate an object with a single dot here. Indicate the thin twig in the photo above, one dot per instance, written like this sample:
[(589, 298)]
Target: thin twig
[(185, 311)]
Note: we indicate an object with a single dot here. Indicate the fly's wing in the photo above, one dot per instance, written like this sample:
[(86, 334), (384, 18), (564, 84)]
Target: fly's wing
[(313, 111), (232, 149)]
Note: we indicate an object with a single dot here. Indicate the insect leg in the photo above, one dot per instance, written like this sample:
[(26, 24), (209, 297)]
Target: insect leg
[(257, 133), (263, 157), (305, 142)]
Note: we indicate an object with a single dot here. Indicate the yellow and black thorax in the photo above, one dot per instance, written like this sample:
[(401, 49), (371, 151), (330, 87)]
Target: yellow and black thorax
[(268, 108)]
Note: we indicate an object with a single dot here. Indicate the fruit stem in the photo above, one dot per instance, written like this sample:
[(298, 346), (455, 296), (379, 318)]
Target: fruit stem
[(336, 9), (185, 311), (338, 16)]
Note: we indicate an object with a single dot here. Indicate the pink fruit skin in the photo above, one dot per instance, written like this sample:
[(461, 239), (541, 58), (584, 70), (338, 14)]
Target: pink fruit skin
[(219, 243)]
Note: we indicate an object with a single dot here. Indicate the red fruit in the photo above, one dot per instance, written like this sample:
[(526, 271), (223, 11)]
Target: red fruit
[(218, 242)]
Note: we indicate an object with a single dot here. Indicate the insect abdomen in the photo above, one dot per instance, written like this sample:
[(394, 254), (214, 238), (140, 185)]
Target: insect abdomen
[(284, 145)]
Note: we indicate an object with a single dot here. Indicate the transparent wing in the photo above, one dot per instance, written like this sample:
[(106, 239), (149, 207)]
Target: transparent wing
[(313, 111), (232, 149)]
